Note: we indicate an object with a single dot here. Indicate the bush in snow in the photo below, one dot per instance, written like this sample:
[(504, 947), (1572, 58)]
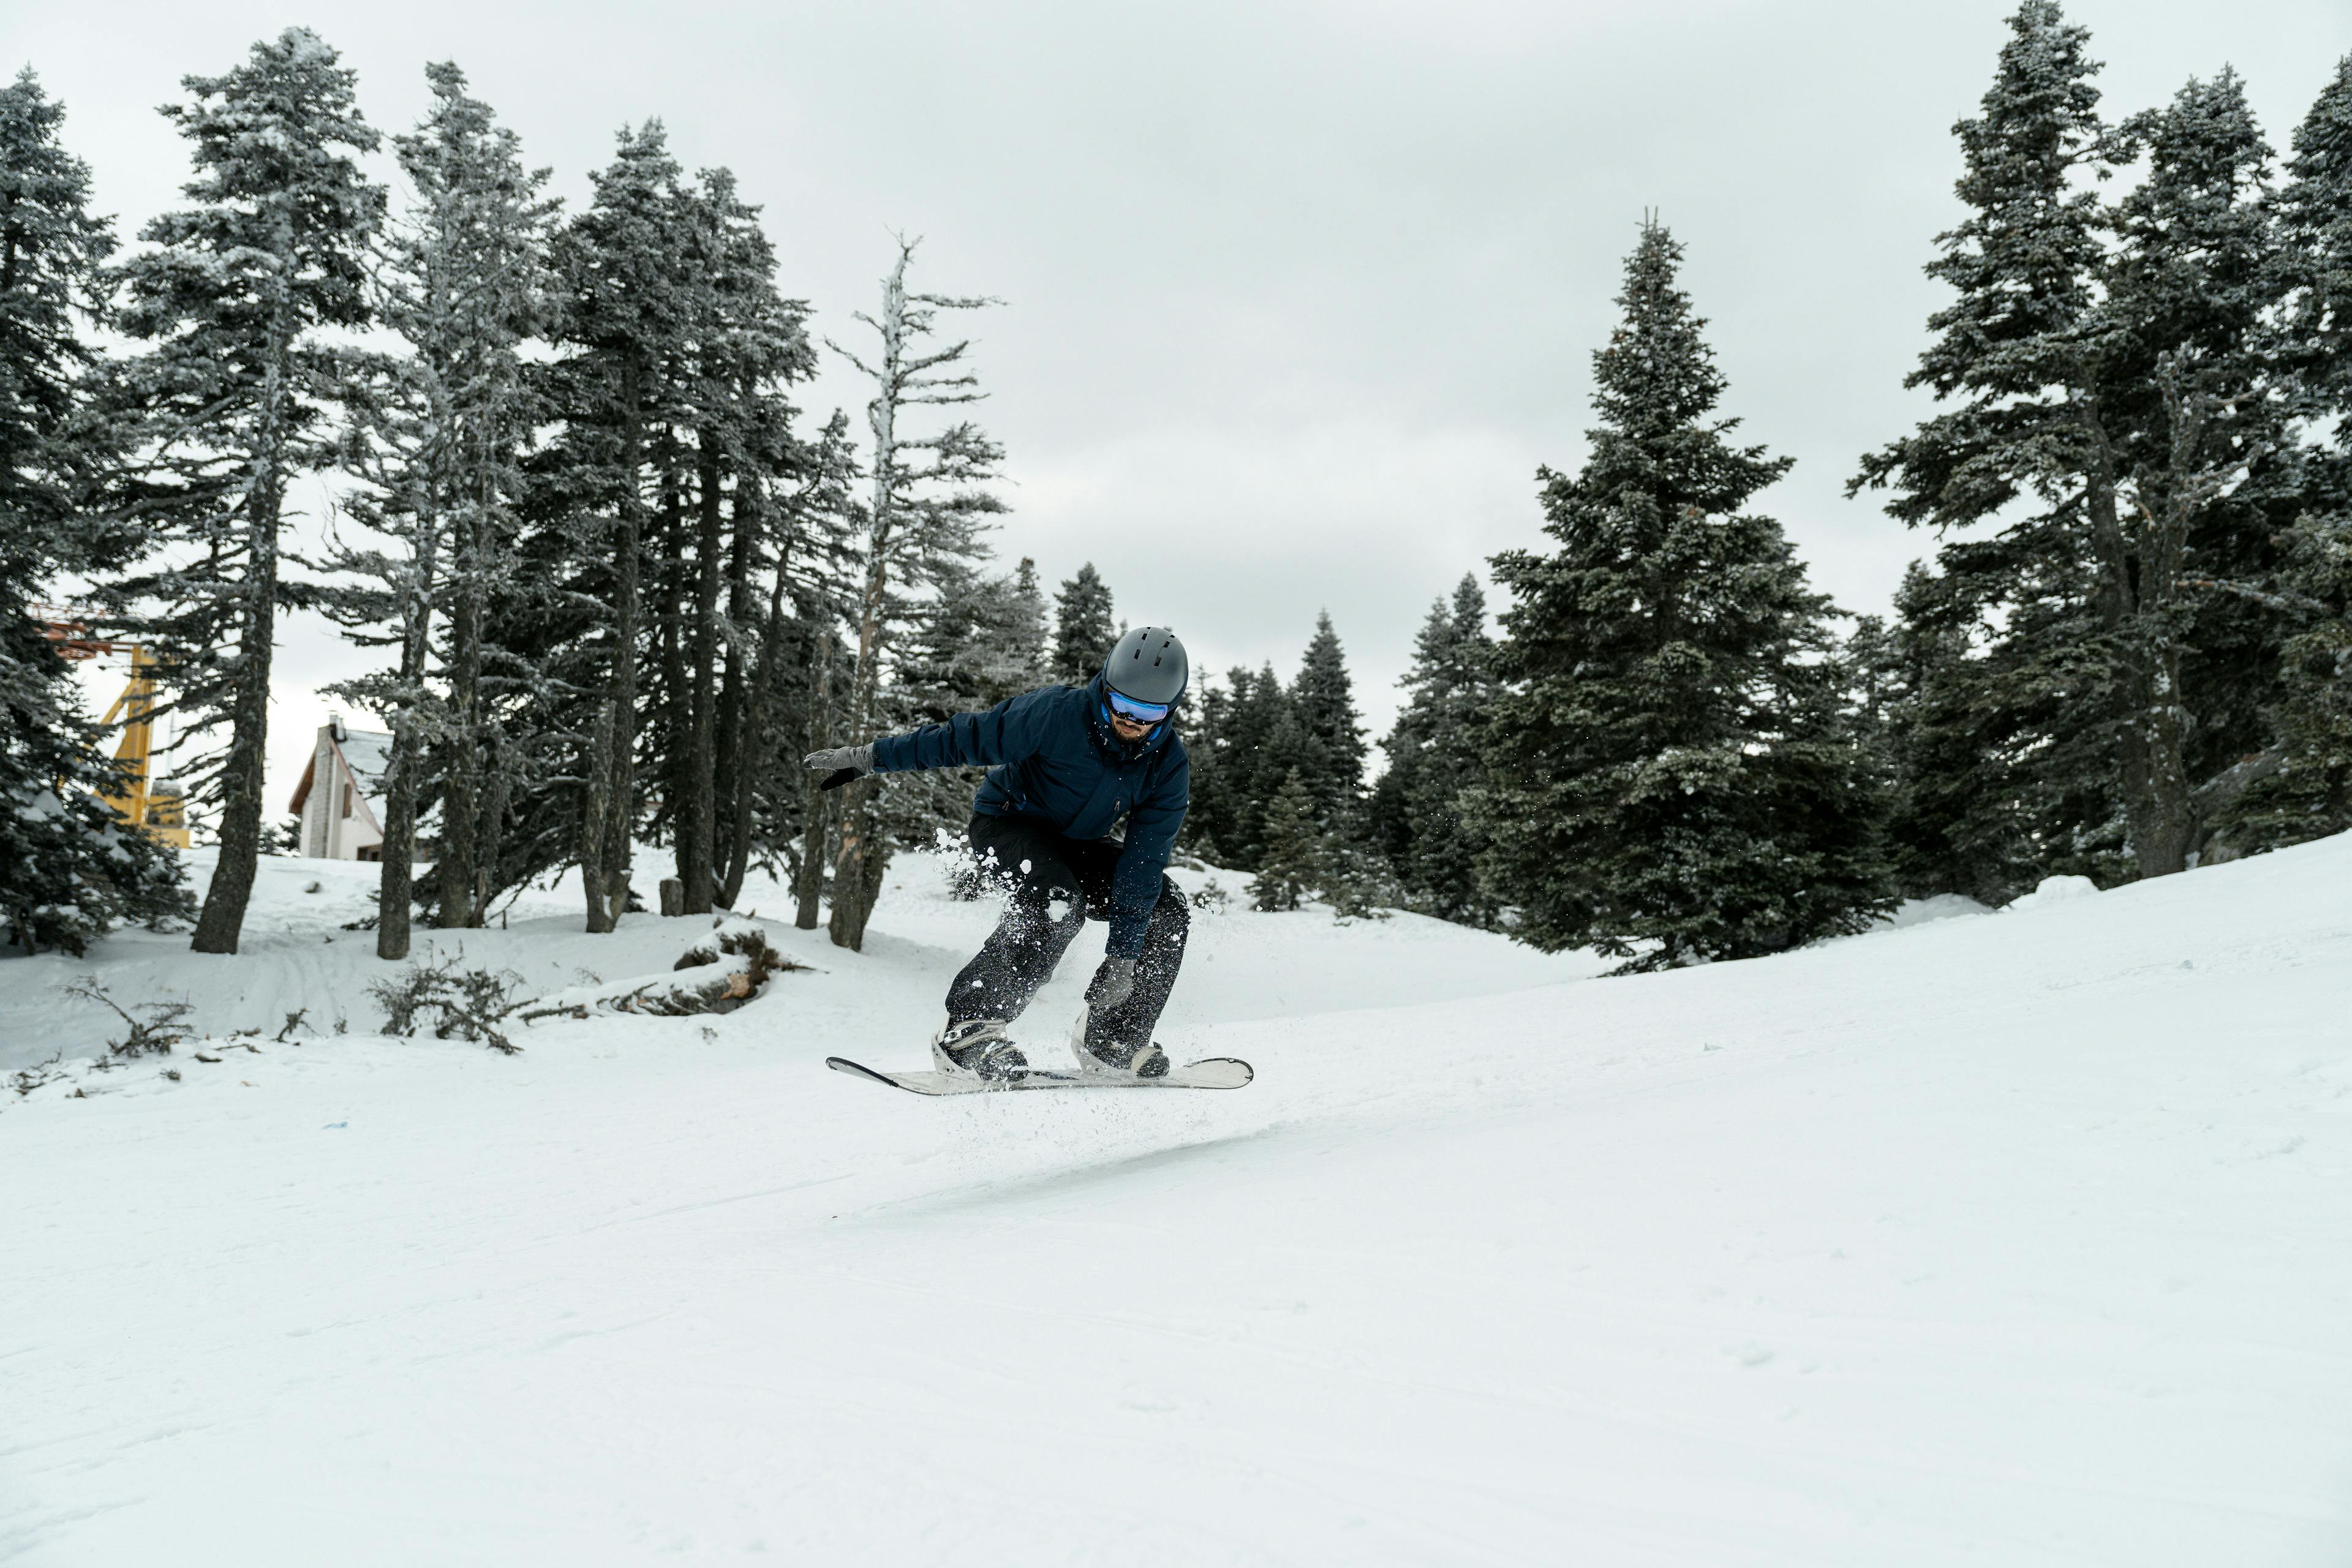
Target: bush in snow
[(464, 1003), (165, 1025)]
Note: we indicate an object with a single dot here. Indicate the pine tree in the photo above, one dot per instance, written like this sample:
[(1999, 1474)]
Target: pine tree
[(435, 440), (1291, 863), (235, 389), (750, 345), (924, 520), (2211, 473), (1210, 822), (627, 276), (2314, 336), (1416, 809), (1956, 821), (2301, 787), (1671, 776), (67, 869), (2115, 396), (1082, 636), (1330, 754)]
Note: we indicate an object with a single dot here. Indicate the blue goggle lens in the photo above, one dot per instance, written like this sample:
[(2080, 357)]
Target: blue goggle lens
[(1141, 713)]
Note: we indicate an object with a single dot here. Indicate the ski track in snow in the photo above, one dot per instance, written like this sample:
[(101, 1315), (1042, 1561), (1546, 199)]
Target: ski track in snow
[(2013, 1239)]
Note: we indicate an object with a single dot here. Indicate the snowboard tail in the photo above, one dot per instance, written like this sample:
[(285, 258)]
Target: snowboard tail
[(1216, 1072)]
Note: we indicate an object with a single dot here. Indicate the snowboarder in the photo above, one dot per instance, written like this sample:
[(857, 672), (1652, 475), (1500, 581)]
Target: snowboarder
[(1066, 763)]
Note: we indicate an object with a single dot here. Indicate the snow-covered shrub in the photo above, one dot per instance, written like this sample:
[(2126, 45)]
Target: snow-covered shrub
[(462, 1003), (165, 1025), (745, 939)]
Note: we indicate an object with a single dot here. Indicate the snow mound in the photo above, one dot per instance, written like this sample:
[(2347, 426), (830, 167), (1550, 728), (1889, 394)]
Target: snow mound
[(2053, 890), (1941, 907)]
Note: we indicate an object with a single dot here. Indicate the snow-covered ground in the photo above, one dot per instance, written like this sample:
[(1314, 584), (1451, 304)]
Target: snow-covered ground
[(2015, 1239)]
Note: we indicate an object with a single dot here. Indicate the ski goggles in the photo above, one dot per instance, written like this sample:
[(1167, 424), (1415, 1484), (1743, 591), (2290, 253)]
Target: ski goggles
[(1127, 707)]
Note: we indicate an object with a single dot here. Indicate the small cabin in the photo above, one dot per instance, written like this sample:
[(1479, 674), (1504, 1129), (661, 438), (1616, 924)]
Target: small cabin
[(340, 800)]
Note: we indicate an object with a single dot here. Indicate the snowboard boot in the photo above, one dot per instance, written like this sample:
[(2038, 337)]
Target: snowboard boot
[(980, 1046), (1146, 1061)]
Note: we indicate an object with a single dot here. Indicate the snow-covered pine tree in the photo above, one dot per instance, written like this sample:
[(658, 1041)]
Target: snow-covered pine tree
[(789, 526), (1243, 745), (2212, 472), (1416, 809), (435, 440), (1671, 778), (1331, 759), (748, 346), (626, 278), (1954, 822), (925, 516), (67, 868), (1291, 863), (1083, 635), (795, 708), (2077, 602), (235, 387), (2301, 787)]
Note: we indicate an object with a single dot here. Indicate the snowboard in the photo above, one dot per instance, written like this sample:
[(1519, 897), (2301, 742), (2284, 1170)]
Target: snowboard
[(1216, 1072)]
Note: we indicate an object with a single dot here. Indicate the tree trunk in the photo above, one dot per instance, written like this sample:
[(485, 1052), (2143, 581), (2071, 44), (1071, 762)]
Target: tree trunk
[(857, 873), (667, 622), (456, 866), (2165, 825), (699, 810), (742, 702), (612, 782), (221, 919), (396, 887), (2133, 601), (851, 880), (812, 801)]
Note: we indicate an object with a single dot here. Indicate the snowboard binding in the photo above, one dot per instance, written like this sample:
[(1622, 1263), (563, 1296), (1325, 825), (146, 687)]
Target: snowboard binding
[(1146, 1060), (978, 1047)]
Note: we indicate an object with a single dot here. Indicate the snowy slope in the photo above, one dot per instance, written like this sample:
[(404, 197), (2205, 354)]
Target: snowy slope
[(2013, 1238)]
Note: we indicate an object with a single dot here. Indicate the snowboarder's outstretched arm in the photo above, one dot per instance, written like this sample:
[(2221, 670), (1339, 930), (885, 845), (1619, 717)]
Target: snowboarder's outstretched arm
[(1004, 733)]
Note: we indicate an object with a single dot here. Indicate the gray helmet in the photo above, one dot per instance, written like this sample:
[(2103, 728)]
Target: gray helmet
[(1149, 665)]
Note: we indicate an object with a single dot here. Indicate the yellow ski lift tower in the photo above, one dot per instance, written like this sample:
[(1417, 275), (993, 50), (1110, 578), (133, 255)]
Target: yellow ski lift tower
[(154, 807)]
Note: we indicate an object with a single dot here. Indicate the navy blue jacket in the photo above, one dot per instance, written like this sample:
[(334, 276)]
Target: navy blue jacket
[(1053, 756)]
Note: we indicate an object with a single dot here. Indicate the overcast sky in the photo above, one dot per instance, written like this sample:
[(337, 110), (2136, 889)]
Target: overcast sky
[(1297, 295)]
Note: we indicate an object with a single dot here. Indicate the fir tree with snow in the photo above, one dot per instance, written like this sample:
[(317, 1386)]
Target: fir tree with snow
[(1954, 822), (69, 868), (1082, 632), (1416, 809), (2300, 787), (2107, 415), (927, 509), (239, 299), (1671, 776), (2213, 475), (437, 440), (1291, 861), (1329, 749)]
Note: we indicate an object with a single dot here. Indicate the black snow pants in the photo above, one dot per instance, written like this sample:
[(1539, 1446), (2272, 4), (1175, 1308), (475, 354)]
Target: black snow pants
[(1055, 883)]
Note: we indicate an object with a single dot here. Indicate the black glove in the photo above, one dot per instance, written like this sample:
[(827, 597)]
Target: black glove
[(840, 764), (1114, 982)]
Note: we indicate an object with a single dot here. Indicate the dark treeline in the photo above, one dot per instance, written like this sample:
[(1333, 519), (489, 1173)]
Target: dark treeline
[(620, 579)]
